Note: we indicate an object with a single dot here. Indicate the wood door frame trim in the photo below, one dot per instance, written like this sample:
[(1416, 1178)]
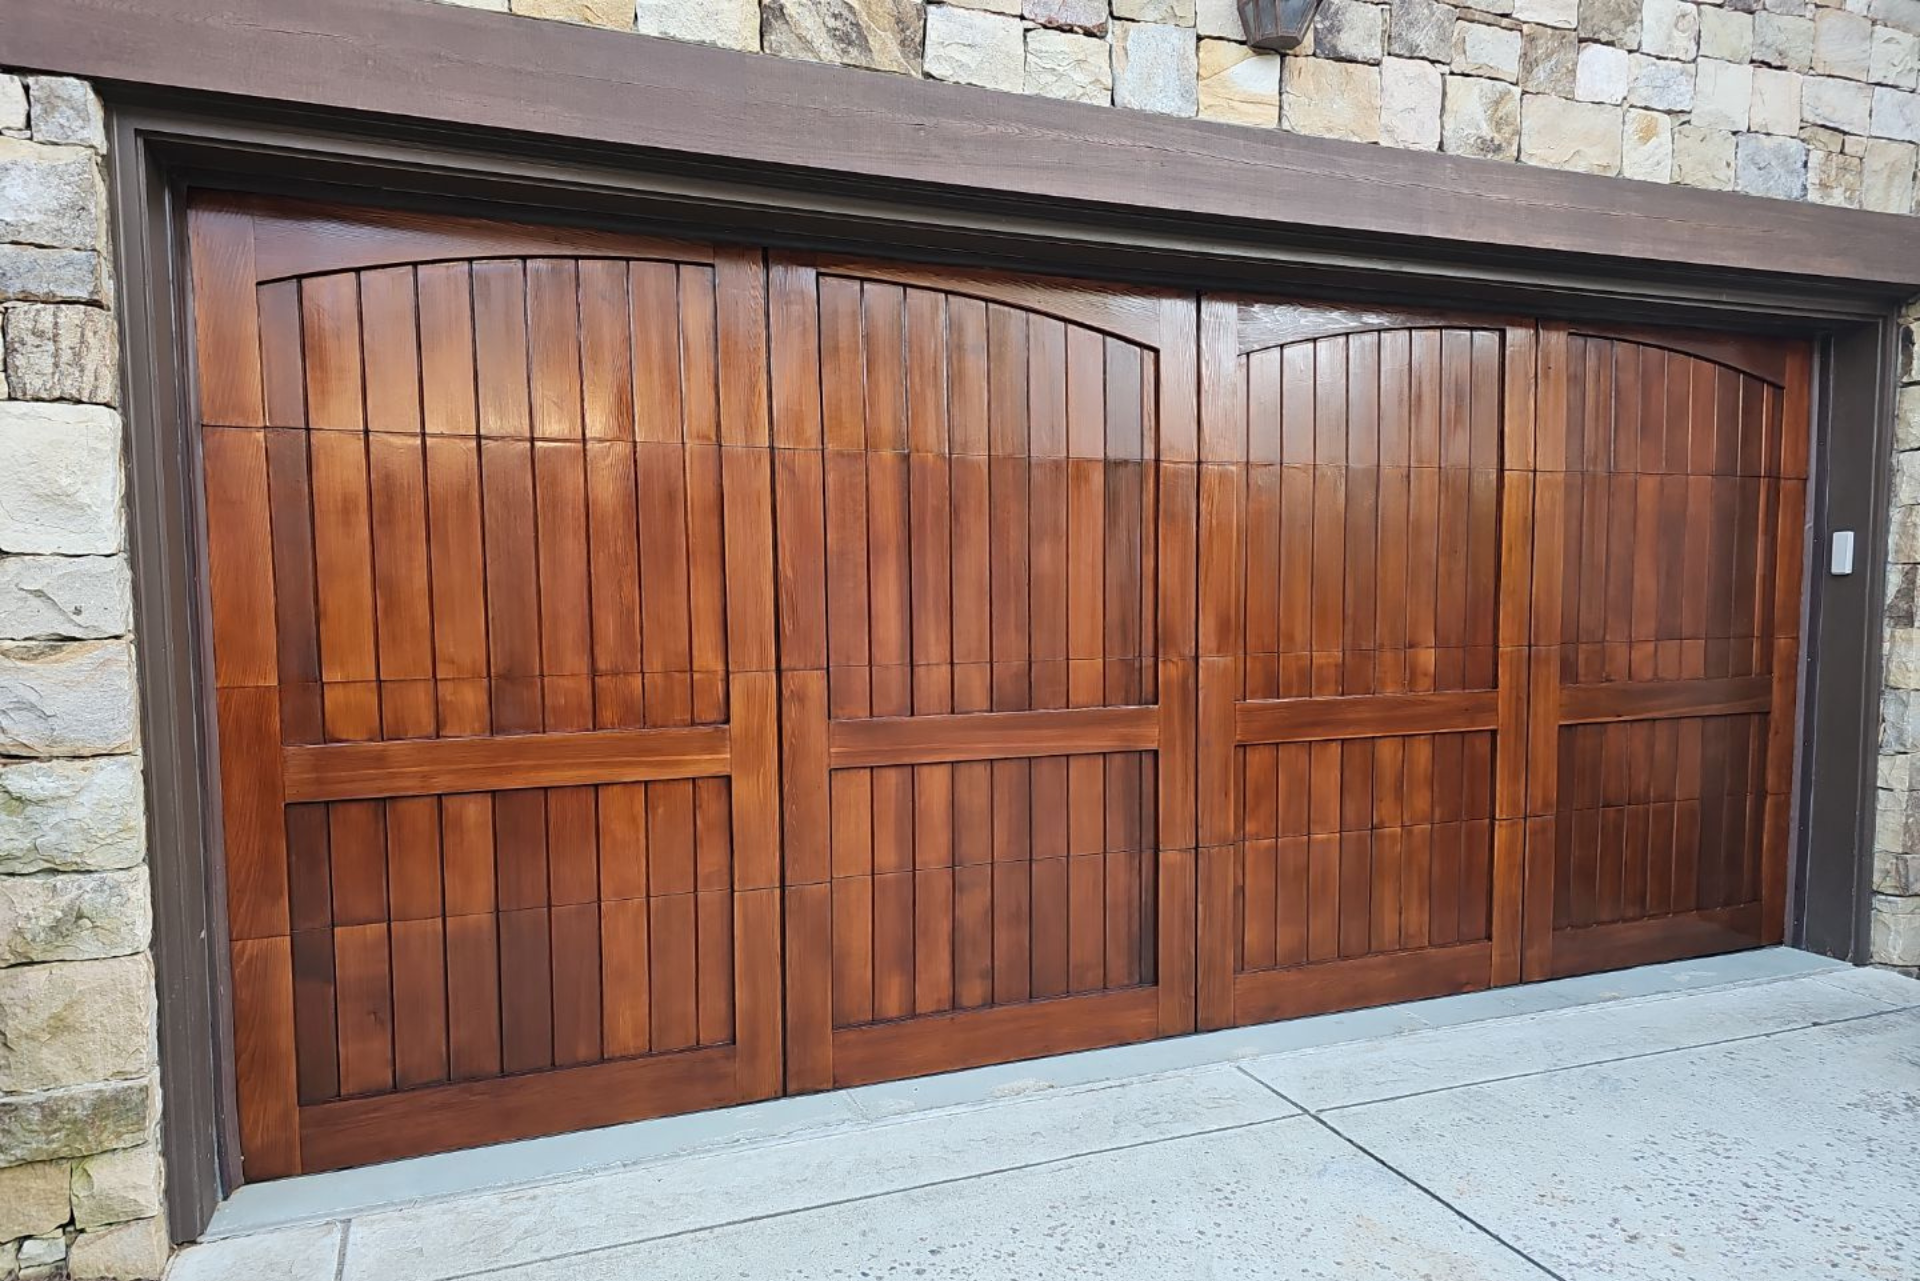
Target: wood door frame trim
[(164, 144)]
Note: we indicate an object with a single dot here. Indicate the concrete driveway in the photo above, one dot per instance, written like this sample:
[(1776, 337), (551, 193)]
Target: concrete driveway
[(1753, 1117)]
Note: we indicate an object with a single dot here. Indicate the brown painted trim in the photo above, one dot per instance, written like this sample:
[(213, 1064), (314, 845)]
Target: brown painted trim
[(466, 68)]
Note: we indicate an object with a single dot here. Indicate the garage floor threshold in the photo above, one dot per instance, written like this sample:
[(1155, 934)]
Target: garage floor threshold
[(1745, 1116)]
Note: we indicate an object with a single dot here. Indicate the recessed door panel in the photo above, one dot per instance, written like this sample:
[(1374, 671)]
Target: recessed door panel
[(986, 558), (1363, 595)]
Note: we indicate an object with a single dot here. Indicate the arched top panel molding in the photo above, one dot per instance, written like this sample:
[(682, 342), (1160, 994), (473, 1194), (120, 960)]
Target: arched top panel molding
[(1260, 325), (1140, 316), (293, 239), (1763, 358)]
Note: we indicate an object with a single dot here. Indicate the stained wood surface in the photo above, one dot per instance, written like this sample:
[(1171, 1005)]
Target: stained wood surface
[(983, 550), (650, 676), (490, 533)]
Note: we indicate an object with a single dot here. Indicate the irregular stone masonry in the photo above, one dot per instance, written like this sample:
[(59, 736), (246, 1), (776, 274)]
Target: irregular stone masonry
[(1794, 99), (80, 1171)]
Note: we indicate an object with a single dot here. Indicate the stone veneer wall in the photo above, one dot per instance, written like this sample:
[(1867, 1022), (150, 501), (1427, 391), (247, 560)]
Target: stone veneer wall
[(1792, 99), (79, 1166)]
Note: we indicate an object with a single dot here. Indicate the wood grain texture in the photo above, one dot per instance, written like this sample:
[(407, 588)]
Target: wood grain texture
[(685, 676)]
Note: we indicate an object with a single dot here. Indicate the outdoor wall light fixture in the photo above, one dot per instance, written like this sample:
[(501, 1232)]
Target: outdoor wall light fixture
[(1279, 25)]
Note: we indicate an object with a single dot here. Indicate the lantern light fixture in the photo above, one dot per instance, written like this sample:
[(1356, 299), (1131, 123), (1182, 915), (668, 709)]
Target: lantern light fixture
[(1277, 25)]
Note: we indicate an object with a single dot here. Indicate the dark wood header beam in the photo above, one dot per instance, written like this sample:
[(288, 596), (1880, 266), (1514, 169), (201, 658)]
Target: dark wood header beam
[(459, 67)]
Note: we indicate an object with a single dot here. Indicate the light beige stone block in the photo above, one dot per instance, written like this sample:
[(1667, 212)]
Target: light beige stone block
[(1723, 94), (1842, 44), (731, 24), (71, 815), (1895, 58), (74, 916), (1670, 29), (1330, 99), (1776, 102), (1703, 158), (1896, 114), (1834, 179), (1175, 12), (66, 699), (126, 1252), (1888, 186), (1783, 40), (33, 1199), (1410, 101), (1646, 146), (617, 14), (60, 479), (1660, 84), (75, 1022), (117, 1187), (1845, 105), (1481, 118), (1065, 65), (1581, 136), (971, 47), (1726, 34), (1486, 51), (1239, 85), (1602, 74), (1548, 13)]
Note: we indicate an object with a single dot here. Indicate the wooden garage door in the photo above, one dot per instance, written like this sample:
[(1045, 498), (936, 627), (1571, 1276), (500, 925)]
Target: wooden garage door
[(650, 676), (1363, 671), (1666, 618), (986, 502), (489, 538)]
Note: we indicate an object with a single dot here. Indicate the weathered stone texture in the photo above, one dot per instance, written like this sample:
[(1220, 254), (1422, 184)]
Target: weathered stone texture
[(13, 105), (1548, 13), (66, 699), (975, 48), (1077, 68), (1350, 31), (1481, 118), (1842, 44), (33, 274), (1783, 40), (617, 14), (1331, 99), (1895, 58), (1646, 146), (1722, 95), (1896, 114), (137, 1249), (75, 1122), (1837, 104), (1482, 50), (884, 35), (71, 816), (1614, 22), (116, 1187), (1410, 97), (1766, 166), (1549, 60), (732, 24), (1670, 29), (1603, 74), (56, 352), (1088, 16), (1580, 136), (1888, 186), (72, 1024), (59, 479), (1703, 157), (33, 1199), (1239, 85), (1726, 34), (64, 597), (50, 197), (1659, 84), (73, 916), (1176, 12), (1156, 68), (1422, 29), (1775, 106), (67, 111)]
